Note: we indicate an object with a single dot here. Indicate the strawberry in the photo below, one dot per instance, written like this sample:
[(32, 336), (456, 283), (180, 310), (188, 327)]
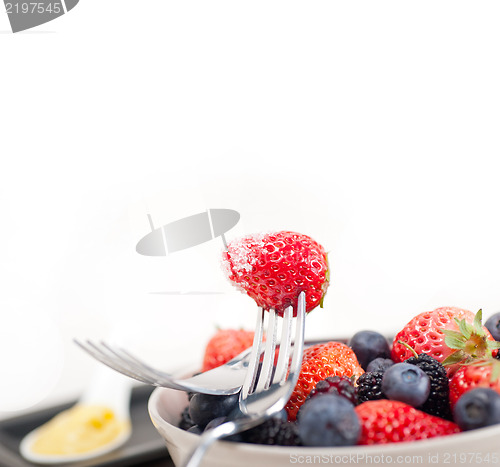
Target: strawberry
[(386, 421), (318, 362), (450, 335), (273, 269), (484, 374), (225, 345)]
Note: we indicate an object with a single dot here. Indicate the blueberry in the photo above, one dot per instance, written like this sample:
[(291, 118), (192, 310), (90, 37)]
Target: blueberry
[(492, 324), (369, 345), (206, 407), (438, 402), (329, 420), (406, 383), (379, 365), (477, 408)]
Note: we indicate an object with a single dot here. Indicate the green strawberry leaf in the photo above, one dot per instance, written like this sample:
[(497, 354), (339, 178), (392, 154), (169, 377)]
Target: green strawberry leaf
[(454, 339), (455, 357), (455, 334), (478, 322), (471, 340), (454, 343), (465, 328)]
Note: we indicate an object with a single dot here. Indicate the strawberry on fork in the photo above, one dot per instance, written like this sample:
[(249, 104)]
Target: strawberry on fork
[(273, 268)]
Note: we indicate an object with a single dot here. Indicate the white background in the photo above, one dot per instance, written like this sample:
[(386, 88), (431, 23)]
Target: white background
[(371, 126)]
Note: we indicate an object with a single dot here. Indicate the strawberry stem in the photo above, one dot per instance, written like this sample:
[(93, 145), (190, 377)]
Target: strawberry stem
[(411, 349)]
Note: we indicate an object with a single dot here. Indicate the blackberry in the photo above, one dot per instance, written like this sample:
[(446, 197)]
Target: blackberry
[(438, 402), (340, 385), (369, 387), (274, 431), (186, 422)]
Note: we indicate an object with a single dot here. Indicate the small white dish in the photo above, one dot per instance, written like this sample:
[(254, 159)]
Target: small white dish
[(28, 454), (108, 389), (474, 447)]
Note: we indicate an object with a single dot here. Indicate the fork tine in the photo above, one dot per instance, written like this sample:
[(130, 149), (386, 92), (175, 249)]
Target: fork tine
[(108, 356), (137, 366), (298, 344), (117, 356), (251, 375), (121, 365), (266, 370), (93, 350), (284, 351), (129, 358)]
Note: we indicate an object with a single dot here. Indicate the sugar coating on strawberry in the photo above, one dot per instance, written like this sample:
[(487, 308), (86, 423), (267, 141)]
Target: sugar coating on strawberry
[(224, 345), (385, 421), (481, 375), (273, 268), (438, 333), (318, 362)]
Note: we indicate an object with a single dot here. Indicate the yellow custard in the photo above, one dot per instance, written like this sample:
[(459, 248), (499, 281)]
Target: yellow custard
[(80, 429)]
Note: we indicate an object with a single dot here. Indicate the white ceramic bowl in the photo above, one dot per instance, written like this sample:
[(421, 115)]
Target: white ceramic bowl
[(477, 447)]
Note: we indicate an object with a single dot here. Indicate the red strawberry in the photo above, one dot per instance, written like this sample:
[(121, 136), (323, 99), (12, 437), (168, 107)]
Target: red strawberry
[(225, 345), (386, 421), (273, 268), (484, 374), (450, 335), (320, 361)]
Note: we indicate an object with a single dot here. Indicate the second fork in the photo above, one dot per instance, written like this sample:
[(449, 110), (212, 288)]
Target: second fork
[(265, 392)]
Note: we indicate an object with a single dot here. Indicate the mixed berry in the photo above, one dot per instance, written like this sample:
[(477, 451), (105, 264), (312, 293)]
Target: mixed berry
[(406, 383), (338, 385), (439, 375)]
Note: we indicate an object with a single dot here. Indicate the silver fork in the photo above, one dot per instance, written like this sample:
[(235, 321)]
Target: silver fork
[(263, 394), (223, 380)]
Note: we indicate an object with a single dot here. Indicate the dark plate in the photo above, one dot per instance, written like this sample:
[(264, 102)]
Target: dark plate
[(145, 446)]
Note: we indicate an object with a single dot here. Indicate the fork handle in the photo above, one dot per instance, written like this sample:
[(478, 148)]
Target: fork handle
[(207, 439)]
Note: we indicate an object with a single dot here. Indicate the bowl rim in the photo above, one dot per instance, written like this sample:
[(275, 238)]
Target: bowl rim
[(452, 441)]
